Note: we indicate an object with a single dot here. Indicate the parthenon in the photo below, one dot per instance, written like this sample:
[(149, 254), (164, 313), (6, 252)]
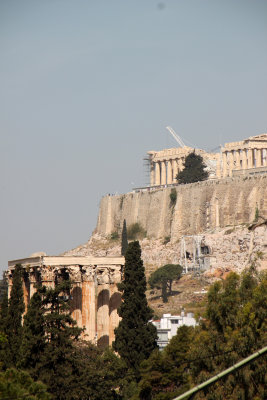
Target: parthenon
[(94, 294), (245, 156)]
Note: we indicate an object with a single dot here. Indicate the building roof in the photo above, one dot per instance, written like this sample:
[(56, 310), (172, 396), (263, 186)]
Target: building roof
[(66, 261)]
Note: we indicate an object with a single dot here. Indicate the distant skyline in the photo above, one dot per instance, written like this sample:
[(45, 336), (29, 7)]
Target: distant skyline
[(87, 88)]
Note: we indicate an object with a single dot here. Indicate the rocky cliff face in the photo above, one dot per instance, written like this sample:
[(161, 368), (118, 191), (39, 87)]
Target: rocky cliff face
[(199, 207), (209, 219)]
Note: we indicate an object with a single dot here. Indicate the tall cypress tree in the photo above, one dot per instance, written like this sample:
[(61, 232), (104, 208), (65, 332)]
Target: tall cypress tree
[(14, 316), (124, 239), (4, 349), (33, 340), (135, 337)]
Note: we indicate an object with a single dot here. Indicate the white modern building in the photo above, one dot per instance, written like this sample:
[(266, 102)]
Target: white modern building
[(167, 326)]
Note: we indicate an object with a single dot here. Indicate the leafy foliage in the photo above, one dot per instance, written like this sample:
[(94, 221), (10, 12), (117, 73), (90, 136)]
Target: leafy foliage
[(34, 339), (15, 384), (136, 231), (194, 169), (135, 337), (114, 236), (235, 327), (163, 374), (16, 308), (163, 277), (173, 196)]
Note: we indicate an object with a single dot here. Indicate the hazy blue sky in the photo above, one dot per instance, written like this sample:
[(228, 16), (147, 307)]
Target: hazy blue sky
[(87, 87)]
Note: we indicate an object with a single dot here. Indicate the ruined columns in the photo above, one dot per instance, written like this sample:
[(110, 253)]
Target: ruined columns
[(48, 277), (76, 293), (152, 174), (102, 307), (114, 301), (88, 302), (163, 173), (258, 157), (175, 170), (157, 173), (169, 172)]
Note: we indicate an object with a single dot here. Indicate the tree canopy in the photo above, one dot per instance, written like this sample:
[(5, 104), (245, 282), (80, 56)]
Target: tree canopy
[(135, 337), (235, 326), (15, 311), (163, 278), (194, 169)]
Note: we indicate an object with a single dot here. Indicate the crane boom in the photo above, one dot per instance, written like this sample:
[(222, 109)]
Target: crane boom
[(176, 137)]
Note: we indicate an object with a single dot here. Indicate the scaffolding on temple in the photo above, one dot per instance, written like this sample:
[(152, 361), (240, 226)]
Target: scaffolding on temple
[(194, 254), (146, 170)]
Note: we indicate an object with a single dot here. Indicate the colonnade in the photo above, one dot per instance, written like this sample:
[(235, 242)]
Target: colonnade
[(164, 171), (94, 297), (243, 158)]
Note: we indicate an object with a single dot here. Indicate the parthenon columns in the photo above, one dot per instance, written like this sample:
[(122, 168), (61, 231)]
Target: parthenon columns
[(169, 172), (163, 173), (157, 173)]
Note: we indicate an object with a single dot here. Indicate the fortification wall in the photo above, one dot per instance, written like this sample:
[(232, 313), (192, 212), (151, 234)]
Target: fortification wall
[(199, 207)]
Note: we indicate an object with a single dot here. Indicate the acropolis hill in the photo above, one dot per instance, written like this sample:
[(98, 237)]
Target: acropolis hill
[(210, 217)]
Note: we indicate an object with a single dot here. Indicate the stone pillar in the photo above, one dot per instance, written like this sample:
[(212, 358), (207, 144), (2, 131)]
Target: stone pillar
[(163, 173), (9, 284), (114, 301), (180, 164), (244, 158), (152, 173), (157, 173), (237, 159), (48, 276), (250, 158), (231, 163), (218, 166), (102, 307), (225, 166), (26, 290), (88, 302), (258, 158), (76, 294), (32, 279), (169, 172), (175, 170)]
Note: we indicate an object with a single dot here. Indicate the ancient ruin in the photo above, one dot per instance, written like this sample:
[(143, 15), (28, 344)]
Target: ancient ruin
[(94, 297), (248, 156)]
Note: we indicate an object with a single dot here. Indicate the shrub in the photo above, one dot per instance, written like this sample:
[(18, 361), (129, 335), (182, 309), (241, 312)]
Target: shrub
[(166, 239), (256, 215), (173, 196), (136, 231), (114, 236)]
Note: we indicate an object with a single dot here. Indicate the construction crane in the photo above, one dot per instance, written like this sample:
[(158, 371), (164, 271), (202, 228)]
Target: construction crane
[(176, 137)]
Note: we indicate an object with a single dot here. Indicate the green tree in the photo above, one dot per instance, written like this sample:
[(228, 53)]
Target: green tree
[(15, 384), (135, 337), (16, 308), (163, 277), (4, 353), (33, 339), (236, 327), (124, 239), (164, 375), (194, 169), (57, 366)]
